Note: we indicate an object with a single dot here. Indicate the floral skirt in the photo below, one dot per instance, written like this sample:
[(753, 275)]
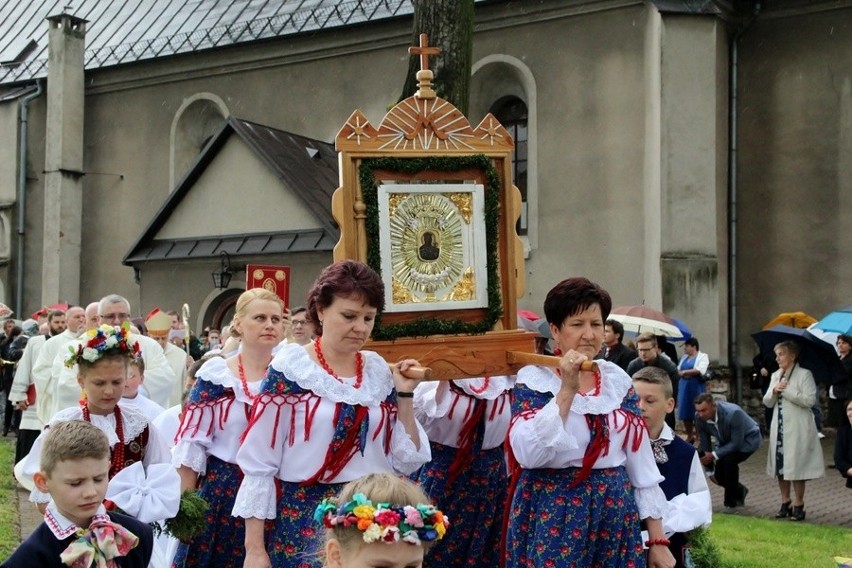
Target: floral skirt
[(294, 540), (222, 544), (474, 505), (595, 524)]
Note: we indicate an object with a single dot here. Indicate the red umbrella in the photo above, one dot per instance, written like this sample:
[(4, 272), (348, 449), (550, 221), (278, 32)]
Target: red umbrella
[(641, 318)]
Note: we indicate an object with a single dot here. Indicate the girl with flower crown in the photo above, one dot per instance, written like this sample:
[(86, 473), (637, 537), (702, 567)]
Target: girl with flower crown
[(327, 414), (379, 520), (103, 357), (214, 418), (467, 421), (583, 470)]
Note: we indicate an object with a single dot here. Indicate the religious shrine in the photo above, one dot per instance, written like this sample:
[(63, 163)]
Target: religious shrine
[(426, 200)]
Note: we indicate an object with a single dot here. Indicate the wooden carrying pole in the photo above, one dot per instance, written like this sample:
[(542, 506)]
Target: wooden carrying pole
[(514, 359)]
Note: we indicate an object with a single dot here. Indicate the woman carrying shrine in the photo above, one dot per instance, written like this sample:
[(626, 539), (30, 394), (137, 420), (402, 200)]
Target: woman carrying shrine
[(327, 414), (585, 474)]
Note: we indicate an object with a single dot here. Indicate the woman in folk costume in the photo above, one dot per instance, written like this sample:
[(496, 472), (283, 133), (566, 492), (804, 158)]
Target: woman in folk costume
[(585, 474), (215, 417), (467, 421), (327, 414), (103, 357)]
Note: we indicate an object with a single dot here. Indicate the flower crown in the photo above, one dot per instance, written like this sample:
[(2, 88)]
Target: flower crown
[(383, 522), (103, 341)]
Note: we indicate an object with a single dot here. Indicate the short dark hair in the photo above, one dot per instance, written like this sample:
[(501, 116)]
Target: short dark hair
[(344, 279), (647, 337), (617, 328), (572, 296), (705, 397), (55, 314), (298, 310), (692, 342), (845, 337)]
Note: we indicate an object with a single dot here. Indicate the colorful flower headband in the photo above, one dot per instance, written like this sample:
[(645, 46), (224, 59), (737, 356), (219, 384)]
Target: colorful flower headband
[(384, 522), (103, 341)]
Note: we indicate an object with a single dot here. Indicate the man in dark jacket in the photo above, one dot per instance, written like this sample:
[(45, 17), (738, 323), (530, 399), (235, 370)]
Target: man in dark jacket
[(650, 356), (613, 349)]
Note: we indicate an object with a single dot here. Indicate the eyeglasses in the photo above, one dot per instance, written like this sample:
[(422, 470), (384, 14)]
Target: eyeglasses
[(296, 323), (115, 317)]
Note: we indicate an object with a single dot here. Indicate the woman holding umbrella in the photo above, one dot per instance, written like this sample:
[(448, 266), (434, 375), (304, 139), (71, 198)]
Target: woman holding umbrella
[(795, 454)]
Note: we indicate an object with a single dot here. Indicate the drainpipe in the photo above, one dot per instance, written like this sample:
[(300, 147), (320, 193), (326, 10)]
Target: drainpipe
[(733, 352), (22, 197)]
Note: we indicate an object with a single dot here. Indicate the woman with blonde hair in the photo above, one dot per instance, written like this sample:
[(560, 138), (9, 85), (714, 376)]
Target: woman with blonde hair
[(214, 420), (795, 454)]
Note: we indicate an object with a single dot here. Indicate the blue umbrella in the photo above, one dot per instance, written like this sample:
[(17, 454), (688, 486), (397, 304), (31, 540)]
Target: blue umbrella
[(816, 355), (683, 329), (838, 321)]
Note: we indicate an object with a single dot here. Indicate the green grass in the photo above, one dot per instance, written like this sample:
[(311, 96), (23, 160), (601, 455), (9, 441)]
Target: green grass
[(748, 542), (9, 531)]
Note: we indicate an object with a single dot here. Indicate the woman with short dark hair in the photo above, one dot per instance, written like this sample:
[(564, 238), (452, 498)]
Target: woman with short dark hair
[(585, 474), (692, 368)]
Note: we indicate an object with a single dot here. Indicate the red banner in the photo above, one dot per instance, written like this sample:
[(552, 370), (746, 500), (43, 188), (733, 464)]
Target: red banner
[(276, 279)]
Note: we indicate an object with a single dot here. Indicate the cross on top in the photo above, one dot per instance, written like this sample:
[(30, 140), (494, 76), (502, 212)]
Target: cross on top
[(424, 51)]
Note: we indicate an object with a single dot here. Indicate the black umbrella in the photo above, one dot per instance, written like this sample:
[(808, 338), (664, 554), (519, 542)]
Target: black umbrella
[(816, 355)]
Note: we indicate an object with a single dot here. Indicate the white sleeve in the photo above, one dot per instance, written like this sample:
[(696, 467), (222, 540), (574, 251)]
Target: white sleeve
[(157, 450), (645, 477), (41, 378), (404, 455), (195, 433), (27, 467), (432, 400), (260, 457), (66, 389), (536, 442), (693, 509), (702, 363)]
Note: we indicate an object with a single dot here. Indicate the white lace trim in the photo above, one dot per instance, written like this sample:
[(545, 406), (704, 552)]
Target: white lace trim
[(216, 372), (614, 386), (296, 364), (191, 455), (134, 422), (256, 498), (496, 386), (405, 457), (651, 502)]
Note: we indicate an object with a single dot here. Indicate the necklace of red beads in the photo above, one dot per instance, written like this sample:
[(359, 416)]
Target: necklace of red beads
[(117, 463), (243, 381), (359, 364)]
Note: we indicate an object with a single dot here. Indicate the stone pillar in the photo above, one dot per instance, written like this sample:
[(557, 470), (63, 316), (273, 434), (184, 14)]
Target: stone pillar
[(693, 176), (63, 199), (8, 194)]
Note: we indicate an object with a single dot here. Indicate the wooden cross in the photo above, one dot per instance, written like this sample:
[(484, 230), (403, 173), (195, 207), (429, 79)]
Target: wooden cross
[(424, 51)]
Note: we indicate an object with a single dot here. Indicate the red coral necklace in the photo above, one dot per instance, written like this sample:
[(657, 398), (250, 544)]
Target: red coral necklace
[(359, 364), (243, 382), (118, 454)]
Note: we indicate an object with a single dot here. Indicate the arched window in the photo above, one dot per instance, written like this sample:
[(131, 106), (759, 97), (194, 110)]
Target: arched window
[(512, 114), (198, 119)]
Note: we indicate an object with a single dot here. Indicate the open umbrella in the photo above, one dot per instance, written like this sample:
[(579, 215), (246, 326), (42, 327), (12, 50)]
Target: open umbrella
[(838, 321), (816, 355), (641, 319), (791, 319)]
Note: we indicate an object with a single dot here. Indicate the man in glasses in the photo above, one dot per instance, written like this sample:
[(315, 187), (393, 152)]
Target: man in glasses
[(301, 328)]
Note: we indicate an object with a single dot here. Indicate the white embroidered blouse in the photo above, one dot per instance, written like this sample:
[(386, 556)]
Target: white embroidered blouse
[(541, 439), (215, 417), (443, 410), (290, 433)]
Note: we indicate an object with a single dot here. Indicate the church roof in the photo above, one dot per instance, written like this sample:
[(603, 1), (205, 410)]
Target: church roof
[(306, 167), (126, 32)]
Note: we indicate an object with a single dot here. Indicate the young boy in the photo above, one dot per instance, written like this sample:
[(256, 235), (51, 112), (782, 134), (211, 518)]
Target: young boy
[(133, 395), (75, 459), (684, 486)]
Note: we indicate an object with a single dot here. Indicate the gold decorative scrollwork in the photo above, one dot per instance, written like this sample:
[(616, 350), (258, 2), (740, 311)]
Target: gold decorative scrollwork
[(394, 199), (464, 203), (465, 288), (401, 294)]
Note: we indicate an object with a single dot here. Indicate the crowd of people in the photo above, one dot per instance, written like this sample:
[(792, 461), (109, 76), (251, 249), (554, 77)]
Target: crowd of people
[(310, 451)]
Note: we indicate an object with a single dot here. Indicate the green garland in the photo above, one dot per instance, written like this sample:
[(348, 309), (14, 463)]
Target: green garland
[(190, 520), (369, 190)]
